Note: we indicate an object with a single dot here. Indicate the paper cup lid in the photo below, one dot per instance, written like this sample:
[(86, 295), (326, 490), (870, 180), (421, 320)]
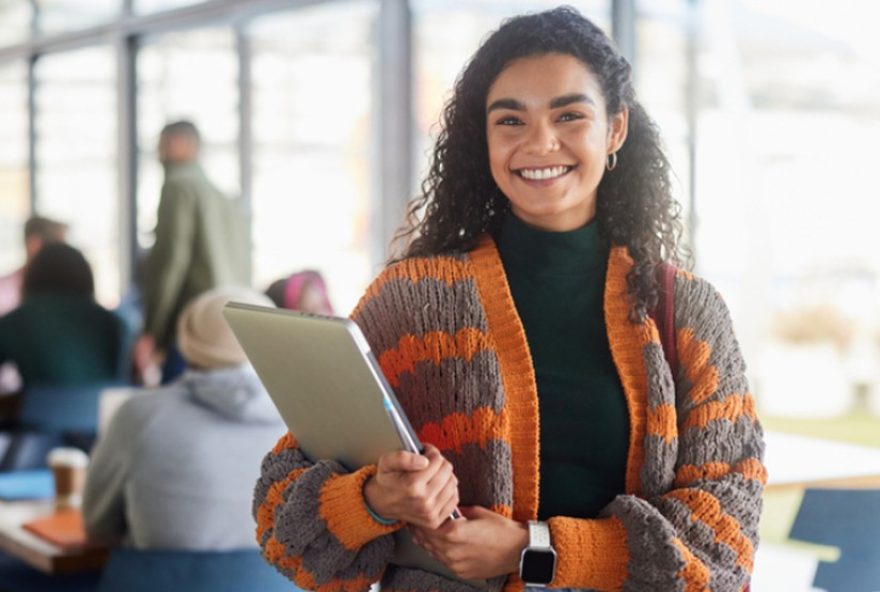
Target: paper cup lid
[(67, 456)]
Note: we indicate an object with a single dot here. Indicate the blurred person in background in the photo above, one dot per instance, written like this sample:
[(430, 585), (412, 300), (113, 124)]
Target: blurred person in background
[(59, 335), (517, 329), (38, 231), (303, 290), (201, 243), (176, 466)]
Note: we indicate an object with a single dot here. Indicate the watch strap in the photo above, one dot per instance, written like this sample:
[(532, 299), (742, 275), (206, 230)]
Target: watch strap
[(539, 535)]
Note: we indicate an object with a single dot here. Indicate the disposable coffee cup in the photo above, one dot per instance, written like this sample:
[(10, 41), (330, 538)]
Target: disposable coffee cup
[(68, 467)]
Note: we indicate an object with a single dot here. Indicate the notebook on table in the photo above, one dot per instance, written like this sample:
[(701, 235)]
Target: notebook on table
[(63, 528)]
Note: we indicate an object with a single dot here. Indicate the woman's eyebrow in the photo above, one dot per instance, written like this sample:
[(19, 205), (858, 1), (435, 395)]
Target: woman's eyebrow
[(511, 104), (566, 100), (555, 103)]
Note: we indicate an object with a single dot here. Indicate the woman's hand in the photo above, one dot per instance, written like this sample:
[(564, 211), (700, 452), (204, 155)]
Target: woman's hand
[(418, 489), (481, 545)]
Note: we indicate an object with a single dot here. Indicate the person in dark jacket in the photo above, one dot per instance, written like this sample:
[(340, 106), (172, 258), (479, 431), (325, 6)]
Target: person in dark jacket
[(59, 335)]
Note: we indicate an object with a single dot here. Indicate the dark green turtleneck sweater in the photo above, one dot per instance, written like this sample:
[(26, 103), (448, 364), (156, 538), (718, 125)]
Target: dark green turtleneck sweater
[(557, 280)]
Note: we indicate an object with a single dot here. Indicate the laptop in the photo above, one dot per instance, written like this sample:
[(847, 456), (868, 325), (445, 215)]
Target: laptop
[(331, 393)]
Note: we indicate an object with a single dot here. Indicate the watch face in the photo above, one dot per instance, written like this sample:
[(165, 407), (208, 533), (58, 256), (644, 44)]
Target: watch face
[(538, 566)]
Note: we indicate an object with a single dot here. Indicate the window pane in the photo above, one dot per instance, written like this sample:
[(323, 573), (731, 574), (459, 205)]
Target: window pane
[(157, 5), (64, 15), (192, 76), (313, 167), (15, 21), (446, 34), (787, 174), (661, 83), (14, 201), (76, 156)]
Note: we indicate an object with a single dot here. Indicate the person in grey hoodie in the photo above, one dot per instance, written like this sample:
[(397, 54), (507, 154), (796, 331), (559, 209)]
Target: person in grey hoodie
[(176, 466)]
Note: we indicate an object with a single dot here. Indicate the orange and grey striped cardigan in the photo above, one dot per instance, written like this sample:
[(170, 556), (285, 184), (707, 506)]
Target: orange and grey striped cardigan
[(447, 335)]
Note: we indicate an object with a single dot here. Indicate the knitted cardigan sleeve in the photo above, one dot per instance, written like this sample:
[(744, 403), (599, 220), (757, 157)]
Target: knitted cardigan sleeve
[(701, 532), (313, 524)]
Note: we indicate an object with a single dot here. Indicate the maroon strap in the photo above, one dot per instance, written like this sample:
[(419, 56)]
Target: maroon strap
[(664, 314)]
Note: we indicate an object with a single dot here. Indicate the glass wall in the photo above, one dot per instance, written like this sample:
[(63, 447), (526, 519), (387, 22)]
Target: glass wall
[(786, 197), (169, 90), (313, 83), (76, 139), (14, 182)]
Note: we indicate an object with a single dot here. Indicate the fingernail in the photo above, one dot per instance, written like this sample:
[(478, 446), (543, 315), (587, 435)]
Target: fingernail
[(421, 462)]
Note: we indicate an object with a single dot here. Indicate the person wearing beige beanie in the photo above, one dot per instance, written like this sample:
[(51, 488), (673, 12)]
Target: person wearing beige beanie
[(203, 336), (176, 466)]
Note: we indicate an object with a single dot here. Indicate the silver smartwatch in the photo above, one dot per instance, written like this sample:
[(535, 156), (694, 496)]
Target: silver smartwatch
[(537, 564)]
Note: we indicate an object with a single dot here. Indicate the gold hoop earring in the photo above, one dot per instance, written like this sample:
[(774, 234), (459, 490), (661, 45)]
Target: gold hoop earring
[(611, 162)]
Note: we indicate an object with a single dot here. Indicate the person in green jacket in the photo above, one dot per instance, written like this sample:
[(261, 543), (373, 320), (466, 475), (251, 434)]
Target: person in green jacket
[(201, 243)]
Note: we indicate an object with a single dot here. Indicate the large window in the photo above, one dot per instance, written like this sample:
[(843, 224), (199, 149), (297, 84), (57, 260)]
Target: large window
[(313, 87), (192, 76), (14, 199), (76, 138), (787, 203)]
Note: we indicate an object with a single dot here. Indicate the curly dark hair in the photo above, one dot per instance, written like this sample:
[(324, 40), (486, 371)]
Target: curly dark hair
[(460, 200)]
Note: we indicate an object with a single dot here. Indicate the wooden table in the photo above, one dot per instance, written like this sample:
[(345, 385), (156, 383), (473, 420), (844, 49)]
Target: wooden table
[(36, 552), (800, 462)]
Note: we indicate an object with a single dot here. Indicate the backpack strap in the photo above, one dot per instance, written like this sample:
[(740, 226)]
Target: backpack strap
[(664, 313)]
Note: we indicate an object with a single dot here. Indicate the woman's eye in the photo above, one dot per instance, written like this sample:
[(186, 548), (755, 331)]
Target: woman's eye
[(509, 121), (570, 116)]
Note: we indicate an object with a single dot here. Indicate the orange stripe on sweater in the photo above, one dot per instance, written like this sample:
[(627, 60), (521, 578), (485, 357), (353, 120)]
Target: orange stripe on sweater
[(731, 408), (445, 269), (517, 376), (457, 429), (342, 507), (275, 553), (706, 508), (274, 498), (628, 341), (694, 573), (435, 346), (286, 442), (750, 468), (694, 355), (661, 422)]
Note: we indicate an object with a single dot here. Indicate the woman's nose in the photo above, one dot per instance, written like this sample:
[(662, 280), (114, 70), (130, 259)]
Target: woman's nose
[(542, 140)]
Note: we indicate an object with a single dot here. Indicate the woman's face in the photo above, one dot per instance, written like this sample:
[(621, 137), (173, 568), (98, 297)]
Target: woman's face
[(549, 136)]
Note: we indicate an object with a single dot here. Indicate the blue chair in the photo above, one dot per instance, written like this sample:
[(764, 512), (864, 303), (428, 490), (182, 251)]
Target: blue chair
[(847, 519), (62, 409), (129, 570)]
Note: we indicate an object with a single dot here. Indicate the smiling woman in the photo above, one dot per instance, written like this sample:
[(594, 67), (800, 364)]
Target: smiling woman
[(549, 139), (515, 327)]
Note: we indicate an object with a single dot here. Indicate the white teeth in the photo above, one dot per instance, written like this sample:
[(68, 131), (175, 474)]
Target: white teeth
[(542, 174)]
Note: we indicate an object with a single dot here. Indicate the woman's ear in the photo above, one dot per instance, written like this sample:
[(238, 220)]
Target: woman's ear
[(618, 126)]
